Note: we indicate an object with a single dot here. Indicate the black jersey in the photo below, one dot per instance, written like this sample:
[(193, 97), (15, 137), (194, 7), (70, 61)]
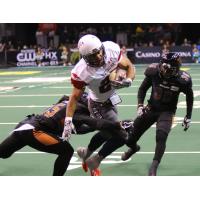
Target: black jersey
[(165, 92), (52, 119)]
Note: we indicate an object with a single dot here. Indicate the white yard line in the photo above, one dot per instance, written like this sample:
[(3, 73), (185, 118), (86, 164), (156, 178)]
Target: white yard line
[(8, 123), (141, 152)]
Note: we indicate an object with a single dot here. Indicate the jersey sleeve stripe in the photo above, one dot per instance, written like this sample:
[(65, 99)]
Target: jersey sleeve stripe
[(78, 84)]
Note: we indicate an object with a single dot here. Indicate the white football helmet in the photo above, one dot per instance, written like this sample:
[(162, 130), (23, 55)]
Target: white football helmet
[(92, 50)]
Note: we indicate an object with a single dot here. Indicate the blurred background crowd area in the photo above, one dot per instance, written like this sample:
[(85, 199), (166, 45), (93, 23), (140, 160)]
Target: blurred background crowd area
[(64, 37)]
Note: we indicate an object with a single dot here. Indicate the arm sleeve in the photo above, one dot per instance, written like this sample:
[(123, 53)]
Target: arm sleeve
[(146, 84), (189, 102)]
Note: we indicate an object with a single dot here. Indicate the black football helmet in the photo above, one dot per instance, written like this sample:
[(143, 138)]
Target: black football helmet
[(170, 65)]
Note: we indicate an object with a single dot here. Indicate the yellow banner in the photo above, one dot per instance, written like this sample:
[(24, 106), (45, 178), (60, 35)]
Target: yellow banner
[(19, 73), (185, 68)]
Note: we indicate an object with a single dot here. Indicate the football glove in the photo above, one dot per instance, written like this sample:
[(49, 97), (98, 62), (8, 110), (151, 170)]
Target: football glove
[(121, 84), (126, 124), (141, 110), (186, 123), (68, 128), (127, 82)]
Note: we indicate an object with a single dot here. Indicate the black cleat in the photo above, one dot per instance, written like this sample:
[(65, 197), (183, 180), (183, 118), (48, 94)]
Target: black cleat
[(127, 154)]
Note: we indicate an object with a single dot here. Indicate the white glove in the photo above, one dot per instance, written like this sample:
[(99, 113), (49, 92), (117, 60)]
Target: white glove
[(141, 110), (186, 123), (68, 128)]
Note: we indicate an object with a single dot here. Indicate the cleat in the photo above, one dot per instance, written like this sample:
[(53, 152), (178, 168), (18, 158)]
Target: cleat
[(127, 154), (95, 172), (94, 162), (82, 152), (153, 168), (84, 167)]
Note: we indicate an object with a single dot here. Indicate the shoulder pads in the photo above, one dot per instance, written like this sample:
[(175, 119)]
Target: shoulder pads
[(151, 70), (184, 77)]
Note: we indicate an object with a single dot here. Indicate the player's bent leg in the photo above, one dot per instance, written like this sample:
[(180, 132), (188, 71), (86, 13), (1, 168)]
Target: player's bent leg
[(84, 153), (164, 123), (50, 143), (10, 145), (111, 145), (141, 124), (153, 168), (97, 140), (161, 138), (62, 162)]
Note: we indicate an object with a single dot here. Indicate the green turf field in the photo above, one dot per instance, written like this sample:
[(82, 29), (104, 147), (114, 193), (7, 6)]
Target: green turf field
[(27, 90)]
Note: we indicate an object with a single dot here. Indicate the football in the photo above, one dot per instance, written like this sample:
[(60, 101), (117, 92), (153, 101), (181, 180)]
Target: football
[(118, 74)]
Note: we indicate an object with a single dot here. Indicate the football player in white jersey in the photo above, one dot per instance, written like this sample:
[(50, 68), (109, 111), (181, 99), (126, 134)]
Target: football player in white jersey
[(99, 59)]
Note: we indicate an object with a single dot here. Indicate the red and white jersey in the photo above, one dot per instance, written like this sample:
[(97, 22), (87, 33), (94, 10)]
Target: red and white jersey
[(97, 79)]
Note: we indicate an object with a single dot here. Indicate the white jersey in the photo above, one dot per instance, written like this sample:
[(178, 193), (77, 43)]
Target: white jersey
[(97, 79)]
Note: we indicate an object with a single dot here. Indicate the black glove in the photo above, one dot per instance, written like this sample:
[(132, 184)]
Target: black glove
[(127, 82), (121, 84), (186, 123)]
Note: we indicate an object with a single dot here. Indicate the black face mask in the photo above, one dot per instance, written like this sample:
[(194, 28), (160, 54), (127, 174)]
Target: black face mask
[(92, 59), (167, 71)]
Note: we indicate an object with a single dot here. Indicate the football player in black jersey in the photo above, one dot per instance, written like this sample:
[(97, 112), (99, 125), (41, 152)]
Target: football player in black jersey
[(43, 132), (166, 81)]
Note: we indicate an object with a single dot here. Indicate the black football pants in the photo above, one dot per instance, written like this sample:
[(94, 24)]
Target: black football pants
[(40, 141), (163, 122)]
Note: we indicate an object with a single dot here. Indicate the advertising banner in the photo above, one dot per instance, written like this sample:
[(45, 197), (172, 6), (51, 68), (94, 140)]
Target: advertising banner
[(185, 53), (140, 55), (145, 55), (29, 57)]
